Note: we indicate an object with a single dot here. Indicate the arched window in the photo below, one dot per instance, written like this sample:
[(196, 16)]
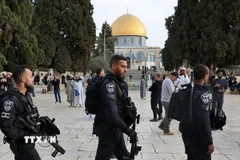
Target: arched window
[(119, 53), (150, 57), (130, 55), (140, 56)]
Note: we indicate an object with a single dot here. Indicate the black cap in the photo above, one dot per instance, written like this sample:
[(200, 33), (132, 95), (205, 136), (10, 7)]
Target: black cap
[(174, 74)]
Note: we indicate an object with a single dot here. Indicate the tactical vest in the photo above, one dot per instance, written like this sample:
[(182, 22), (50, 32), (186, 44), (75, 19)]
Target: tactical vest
[(120, 101), (24, 107)]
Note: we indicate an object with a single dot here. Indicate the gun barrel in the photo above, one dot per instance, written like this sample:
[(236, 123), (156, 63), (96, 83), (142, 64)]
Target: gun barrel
[(55, 152), (138, 118), (133, 150), (58, 148)]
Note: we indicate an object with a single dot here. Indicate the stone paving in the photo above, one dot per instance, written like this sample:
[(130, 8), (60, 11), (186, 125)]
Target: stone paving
[(79, 144)]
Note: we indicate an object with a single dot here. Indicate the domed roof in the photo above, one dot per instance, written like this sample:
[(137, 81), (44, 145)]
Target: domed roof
[(128, 25)]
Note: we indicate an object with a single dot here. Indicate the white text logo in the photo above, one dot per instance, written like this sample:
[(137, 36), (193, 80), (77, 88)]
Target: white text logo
[(40, 139)]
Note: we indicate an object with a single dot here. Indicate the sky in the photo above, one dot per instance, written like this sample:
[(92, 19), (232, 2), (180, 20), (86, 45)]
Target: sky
[(151, 12)]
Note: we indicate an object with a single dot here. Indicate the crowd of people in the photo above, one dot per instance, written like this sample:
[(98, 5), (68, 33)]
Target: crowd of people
[(6, 82), (233, 82), (111, 120), (74, 91)]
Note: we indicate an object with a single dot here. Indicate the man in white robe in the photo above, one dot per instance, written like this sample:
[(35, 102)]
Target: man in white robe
[(78, 90)]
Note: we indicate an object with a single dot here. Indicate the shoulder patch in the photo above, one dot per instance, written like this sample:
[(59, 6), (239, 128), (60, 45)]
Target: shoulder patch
[(110, 87), (5, 115), (8, 105), (205, 98)]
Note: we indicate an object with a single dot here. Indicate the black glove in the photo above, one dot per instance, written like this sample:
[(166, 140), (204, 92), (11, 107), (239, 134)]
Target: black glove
[(132, 134)]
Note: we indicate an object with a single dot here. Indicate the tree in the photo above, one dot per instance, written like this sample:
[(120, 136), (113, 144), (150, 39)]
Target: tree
[(109, 42), (171, 53), (204, 32), (97, 62), (17, 44), (65, 29)]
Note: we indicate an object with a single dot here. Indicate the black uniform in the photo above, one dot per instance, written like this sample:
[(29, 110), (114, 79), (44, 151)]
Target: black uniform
[(197, 135), (110, 126), (89, 81), (156, 90), (11, 108)]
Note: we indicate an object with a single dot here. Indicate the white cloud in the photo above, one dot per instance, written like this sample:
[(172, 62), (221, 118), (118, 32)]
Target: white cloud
[(151, 12)]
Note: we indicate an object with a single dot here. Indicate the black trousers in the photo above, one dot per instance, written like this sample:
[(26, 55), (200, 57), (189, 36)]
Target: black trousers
[(24, 151), (191, 153), (110, 141), (195, 152), (157, 110), (193, 148)]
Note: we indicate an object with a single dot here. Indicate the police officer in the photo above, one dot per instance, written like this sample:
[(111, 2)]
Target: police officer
[(156, 98), (197, 135), (13, 106), (219, 85), (99, 73), (109, 120)]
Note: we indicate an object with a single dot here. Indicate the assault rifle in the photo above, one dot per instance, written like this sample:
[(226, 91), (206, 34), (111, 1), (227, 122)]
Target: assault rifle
[(134, 147), (46, 128)]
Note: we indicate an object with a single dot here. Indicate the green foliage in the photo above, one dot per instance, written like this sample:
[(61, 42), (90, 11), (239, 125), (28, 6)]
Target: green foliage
[(203, 32), (17, 44), (97, 62), (3, 61), (66, 32), (109, 42), (62, 60)]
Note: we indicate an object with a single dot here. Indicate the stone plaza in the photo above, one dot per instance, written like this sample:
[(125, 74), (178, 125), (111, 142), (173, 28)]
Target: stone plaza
[(76, 132)]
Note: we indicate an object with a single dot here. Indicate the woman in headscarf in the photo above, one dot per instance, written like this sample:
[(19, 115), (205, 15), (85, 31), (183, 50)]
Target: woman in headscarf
[(143, 88), (70, 91), (78, 90)]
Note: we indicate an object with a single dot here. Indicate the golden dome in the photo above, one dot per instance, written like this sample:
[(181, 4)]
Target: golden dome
[(128, 25)]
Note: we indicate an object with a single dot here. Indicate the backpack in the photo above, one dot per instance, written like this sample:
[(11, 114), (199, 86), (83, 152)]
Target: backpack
[(92, 94), (217, 118), (179, 106), (92, 101)]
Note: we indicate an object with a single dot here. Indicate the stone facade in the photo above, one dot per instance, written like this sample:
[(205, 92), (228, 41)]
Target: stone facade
[(140, 56)]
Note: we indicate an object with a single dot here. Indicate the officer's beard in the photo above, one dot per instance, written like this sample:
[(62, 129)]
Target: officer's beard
[(118, 74), (219, 77), (28, 86)]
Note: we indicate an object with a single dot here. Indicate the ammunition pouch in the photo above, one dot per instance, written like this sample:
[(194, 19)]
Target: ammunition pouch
[(130, 111)]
